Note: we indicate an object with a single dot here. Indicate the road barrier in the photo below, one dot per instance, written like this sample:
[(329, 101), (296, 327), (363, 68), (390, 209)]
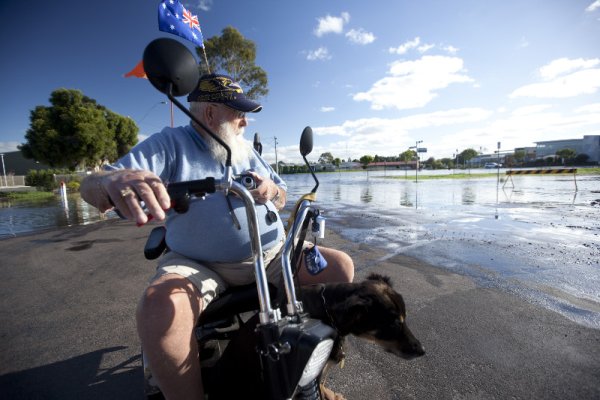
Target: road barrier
[(510, 173)]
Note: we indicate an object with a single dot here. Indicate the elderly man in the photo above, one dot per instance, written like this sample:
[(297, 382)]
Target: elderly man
[(209, 245)]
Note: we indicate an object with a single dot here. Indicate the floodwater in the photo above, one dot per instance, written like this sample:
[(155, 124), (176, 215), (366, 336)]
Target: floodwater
[(535, 236), (19, 217), (539, 239)]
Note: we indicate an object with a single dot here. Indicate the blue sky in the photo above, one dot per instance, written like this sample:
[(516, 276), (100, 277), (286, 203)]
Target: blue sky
[(370, 77)]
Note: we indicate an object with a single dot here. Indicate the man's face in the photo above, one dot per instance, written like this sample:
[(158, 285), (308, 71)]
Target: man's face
[(229, 126)]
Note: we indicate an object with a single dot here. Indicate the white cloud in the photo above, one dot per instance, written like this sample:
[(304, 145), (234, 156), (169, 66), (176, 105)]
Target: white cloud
[(330, 24), (450, 49), (7, 147), (205, 5), (444, 131), (523, 43), (425, 48), (392, 136), (528, 110), (387, 126), (404, 47), (319, 54), (327, 109), (413, 84), (589, 108), (524, 127), (564, 78), (420, 47), (594, 6), (360, 36), (564, 65)]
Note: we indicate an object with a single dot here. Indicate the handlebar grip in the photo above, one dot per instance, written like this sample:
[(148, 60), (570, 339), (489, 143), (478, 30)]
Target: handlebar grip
[(197, 187), (180, 192)]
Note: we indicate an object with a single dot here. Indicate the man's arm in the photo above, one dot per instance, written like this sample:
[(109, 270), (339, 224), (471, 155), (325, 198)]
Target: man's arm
[(124, 189)]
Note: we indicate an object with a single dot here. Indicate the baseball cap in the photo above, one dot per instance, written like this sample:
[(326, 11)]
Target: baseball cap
[(215, 88)]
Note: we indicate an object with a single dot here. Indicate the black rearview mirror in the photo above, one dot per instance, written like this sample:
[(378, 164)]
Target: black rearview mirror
[(169, 63), (306, 141)]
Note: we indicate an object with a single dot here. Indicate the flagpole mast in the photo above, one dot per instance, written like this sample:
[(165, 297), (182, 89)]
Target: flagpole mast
[(206, 59)]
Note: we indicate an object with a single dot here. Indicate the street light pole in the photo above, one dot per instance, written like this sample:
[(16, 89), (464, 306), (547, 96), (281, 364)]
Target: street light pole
[(276, 162), (4, 170), (457, 157), (416, 147)]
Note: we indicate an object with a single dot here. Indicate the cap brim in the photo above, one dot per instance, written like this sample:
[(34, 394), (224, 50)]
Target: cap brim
[(244, 105)]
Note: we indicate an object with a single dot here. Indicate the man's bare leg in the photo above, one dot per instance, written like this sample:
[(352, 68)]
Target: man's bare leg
[(340, 268), (166, 317)]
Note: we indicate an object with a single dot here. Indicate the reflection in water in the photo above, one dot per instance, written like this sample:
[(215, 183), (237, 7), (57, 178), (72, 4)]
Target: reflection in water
[(17, 217), (365, 195), (468, 195), (337, 193), (405, 197)]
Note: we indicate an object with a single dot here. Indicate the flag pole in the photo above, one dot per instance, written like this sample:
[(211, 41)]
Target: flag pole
[(206, 59)]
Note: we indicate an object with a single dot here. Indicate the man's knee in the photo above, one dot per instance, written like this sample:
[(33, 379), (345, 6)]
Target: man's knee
[(168, 298), (345, 266)]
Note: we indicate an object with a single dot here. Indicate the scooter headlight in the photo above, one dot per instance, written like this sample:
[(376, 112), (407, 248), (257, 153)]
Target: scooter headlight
[(316, 362)]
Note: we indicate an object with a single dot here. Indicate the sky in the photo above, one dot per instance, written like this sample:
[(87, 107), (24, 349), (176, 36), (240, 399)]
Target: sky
[(370, 77)]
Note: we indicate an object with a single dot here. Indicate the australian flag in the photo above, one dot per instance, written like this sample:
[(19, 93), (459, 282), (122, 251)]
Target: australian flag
[(174, 18)]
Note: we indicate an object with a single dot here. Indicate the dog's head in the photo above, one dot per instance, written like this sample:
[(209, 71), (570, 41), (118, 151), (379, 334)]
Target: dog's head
[(373, 310)]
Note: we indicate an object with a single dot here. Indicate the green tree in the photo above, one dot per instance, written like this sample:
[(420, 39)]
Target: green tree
[(366, 160), (326, 158), (467, 154), (519, 156), (408, 155), (233, 54), (337, 162), (447, 162), (76, 131), (566, 154)]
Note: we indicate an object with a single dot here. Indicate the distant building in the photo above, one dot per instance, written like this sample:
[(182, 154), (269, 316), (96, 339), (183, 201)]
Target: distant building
[(590, 145), (383, 165), (529, 152), (482, 159), (350, 165)]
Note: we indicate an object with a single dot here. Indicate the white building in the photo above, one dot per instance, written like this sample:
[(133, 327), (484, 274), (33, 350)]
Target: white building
[(590, 145)]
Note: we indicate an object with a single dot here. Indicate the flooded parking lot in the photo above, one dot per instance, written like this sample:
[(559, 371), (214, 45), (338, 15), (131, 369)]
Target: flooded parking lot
[(539, 239)]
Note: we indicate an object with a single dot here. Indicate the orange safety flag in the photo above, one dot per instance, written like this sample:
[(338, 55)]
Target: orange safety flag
[(137, 71)]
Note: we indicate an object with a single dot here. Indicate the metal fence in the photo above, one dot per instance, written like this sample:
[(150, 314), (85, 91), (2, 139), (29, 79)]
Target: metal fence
[(12, 180)]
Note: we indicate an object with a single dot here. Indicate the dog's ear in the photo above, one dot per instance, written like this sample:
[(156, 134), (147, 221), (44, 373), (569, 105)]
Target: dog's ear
[(381, 278), (349, 314)]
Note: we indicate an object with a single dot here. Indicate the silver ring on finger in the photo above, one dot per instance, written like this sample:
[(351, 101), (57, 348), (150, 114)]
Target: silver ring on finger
[(126, 192)]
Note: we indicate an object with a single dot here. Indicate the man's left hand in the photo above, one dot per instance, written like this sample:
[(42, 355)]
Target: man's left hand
[(265, 190)]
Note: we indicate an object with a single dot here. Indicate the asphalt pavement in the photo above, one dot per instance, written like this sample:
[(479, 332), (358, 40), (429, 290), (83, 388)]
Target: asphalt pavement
[(67, 327)]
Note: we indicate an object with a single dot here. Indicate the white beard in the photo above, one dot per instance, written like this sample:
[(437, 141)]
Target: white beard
[(241, 149)]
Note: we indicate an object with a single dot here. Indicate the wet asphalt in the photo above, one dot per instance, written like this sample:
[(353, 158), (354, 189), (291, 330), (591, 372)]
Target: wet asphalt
[(67, 327)]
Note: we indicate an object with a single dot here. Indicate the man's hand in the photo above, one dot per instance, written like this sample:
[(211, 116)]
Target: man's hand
[(267, 190), (123, 190)]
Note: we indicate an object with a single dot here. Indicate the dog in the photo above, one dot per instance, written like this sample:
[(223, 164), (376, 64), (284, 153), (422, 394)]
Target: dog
[(371, 310)]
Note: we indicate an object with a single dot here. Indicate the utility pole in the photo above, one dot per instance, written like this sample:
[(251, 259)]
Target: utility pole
[(276, 162)]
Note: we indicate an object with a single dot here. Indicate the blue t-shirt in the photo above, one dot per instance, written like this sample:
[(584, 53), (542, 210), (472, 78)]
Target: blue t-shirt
[(206, 232)]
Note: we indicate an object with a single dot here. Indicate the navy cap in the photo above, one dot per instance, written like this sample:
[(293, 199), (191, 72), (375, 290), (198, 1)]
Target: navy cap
[(223, 89)]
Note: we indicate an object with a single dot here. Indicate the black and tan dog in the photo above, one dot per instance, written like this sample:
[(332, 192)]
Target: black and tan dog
[(371, 310)]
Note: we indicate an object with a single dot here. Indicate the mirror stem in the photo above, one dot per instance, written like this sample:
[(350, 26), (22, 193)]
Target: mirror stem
[(313, 175), (193, 118)]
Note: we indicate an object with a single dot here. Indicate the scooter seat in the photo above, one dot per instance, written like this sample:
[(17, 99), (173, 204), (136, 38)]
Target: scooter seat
[(234, 300)]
